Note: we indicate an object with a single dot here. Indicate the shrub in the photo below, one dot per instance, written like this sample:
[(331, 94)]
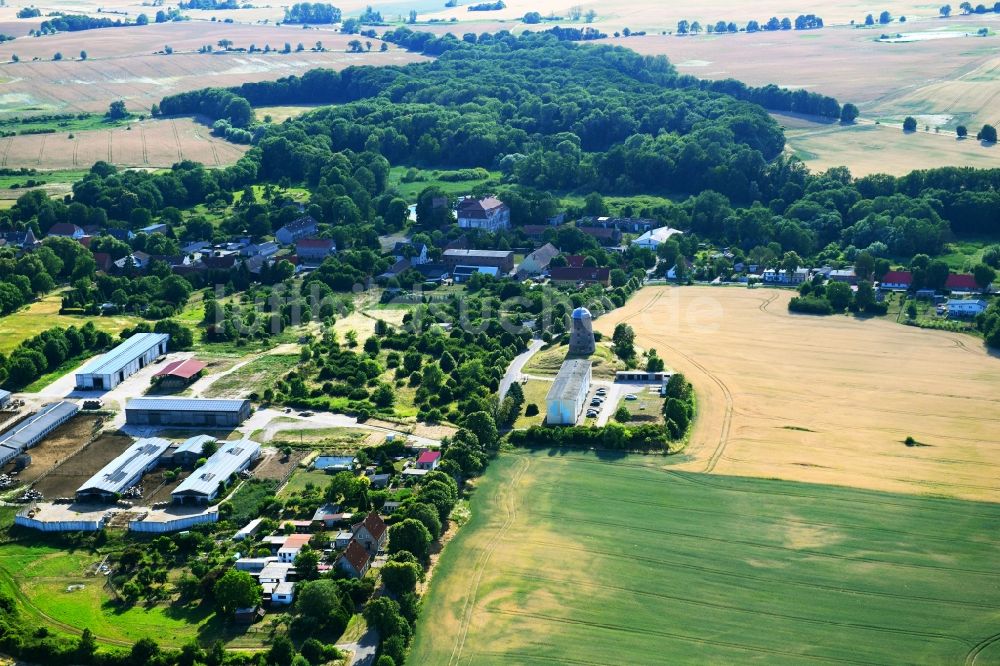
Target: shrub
[(531, 409)]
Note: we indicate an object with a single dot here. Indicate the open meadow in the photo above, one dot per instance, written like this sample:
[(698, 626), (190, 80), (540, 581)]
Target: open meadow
[(43, 314), (577, 558), (825, 399)]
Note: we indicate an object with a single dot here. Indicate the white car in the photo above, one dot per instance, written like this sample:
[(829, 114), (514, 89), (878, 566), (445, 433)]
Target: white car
[(631, 396), (602, 391)]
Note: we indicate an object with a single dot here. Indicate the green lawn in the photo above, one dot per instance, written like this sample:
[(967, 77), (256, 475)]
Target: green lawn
[(301, 478), (257, 375), (41, 178), (409, 191), (39, 576), (44, 314), (599, 559), (965, 252)]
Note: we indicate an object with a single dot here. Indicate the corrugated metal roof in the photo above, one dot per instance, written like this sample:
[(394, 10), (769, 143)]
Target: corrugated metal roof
[(230, 457), (4, 394), (185, 369), (568, 382), (186, 404), (38, 424), (194, 444), (123, 354), (117, 474)]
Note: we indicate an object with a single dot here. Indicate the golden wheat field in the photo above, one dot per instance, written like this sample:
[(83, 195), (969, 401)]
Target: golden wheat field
[(825, 399)]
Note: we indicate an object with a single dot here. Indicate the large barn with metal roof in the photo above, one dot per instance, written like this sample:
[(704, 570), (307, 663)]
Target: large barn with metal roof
[(124, 471), (207, 481), (203, 412), (34, 429), (104, 372)]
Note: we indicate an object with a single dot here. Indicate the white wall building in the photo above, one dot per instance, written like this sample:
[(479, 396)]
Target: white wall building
[(489, 214), (568, 395), (652, 238), (107, 371)]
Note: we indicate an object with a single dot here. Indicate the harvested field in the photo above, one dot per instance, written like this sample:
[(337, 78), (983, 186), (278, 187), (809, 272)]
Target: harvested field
[(868, 148), (126, 67), (74, 471), (825, 399), (61, 444), (577, 558), (147, 143), (941, 82), (656, 16)]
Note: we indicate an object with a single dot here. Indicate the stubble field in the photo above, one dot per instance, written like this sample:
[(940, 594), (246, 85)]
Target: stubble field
[(574, 559), (825, 399), (152, 143), (121, 63)]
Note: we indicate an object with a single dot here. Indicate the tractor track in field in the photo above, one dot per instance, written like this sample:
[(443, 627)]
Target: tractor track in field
[(717, 483), (618, 589), (507, 501), (684, 508), (979, 648), (177, 141), (41, 149), (657, 633), (770, 546), (727, 417), (769, 581), (6, 150), (142, 137)]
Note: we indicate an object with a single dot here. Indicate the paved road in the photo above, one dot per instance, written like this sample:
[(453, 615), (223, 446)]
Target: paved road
[(362, 652), (513, 373)]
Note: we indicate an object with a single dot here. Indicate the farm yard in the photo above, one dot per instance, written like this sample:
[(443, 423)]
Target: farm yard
[(64, 480), (825, 399), (126, 67), (575, 558), (146, 143), (61, 444)]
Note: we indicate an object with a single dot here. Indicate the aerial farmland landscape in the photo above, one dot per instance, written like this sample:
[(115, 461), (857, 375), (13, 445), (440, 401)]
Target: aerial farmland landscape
[(499, 332)]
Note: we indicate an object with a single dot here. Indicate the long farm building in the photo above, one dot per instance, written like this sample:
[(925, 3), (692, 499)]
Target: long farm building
[(208, 481), (124, 471), (34, 429), (107, 371), (201, 412)]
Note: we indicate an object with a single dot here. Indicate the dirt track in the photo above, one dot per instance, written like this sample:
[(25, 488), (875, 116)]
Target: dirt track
[(825, 399)]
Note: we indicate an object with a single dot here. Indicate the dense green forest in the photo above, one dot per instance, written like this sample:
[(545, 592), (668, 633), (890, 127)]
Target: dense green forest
[(558, 116)]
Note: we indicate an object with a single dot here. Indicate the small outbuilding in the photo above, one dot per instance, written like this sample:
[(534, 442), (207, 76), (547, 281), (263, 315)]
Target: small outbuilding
[(179, 374)]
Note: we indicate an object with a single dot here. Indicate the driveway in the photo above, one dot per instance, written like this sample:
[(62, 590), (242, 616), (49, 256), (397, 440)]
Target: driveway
[(363, 651), (263, 419), (513, 373)]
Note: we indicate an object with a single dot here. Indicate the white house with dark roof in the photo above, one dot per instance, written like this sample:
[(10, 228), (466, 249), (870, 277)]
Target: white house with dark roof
[(489, 214), (300, 228)]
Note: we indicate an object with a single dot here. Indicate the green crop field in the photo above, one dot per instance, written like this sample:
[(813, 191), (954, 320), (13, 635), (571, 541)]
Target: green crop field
[(588, 559)]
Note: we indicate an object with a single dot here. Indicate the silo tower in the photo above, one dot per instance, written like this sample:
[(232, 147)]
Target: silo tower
[(581, 336)]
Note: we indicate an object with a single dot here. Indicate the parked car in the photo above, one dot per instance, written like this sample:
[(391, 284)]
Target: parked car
[(602, 391), (631, 396), (591, 413)]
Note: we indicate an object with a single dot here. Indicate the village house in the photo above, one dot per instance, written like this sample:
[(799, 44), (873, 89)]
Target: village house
[(66, 230), (20, 239), (569, 275), (293, 544), (959, 308), (538, 261), (463, 273), (355, 560), (798, 276), (488, 214), (897, 281), (300, 228), (654, 237), (415, 253), (429, 460), (962, 282), (314, 249), (371, 533), (502, 260)]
